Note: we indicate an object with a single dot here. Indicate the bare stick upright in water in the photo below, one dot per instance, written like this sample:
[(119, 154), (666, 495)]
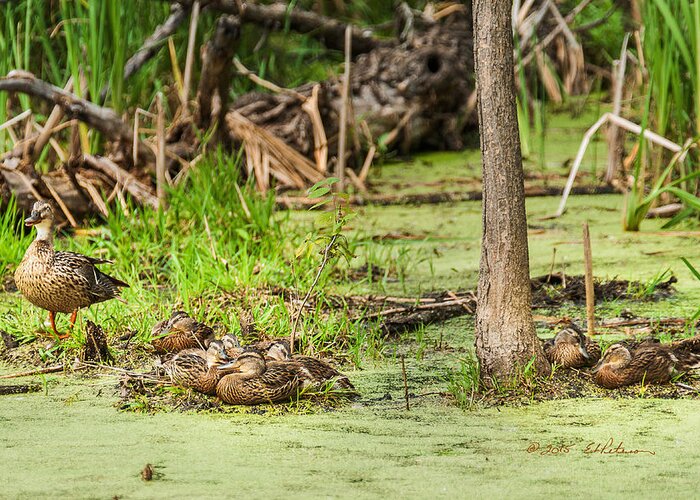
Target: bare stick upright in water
[(590, 291)]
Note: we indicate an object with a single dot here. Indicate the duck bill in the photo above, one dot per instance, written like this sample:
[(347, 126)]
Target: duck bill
[(32, 220), (597, 367), (228, 367), (584, 353)]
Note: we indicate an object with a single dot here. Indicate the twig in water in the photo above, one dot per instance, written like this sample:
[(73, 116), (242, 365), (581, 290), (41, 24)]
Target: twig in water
[(6, 390), (590, 291), (686, 387), (342, 126), (39, 371), (551, 268), (405, 382)]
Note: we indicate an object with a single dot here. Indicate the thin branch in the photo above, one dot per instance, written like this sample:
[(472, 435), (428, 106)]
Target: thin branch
[(152, 44), (105, 120), (38, 371), (326, 256)]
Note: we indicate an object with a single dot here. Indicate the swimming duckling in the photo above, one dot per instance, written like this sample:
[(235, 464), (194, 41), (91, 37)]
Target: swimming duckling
[(60, 281), (648, 362), (180, 332), (198, 369), (571, 348)]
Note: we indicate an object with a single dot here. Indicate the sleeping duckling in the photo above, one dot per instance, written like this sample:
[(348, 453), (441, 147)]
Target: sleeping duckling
[(570, 348), (250, 380), (180, 332), (649, 362), (198, 369), (319, 371)]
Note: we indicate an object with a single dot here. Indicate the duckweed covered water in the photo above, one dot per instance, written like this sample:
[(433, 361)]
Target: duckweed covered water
[(72, 442)]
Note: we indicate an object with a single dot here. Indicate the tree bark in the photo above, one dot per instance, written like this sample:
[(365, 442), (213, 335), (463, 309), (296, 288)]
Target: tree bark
[(505, 333)]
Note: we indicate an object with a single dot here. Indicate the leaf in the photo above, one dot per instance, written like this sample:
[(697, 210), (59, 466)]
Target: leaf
[(687, 198), (318, 191), (691, 267)]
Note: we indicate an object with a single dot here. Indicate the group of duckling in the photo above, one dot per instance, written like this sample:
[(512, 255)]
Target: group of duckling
[(66, 282), (623, 364), (263, 372)]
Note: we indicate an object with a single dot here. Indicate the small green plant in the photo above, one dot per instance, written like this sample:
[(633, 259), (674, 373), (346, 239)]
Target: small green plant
[(696, 274), (464, 383), (638, 201), (646, 290)]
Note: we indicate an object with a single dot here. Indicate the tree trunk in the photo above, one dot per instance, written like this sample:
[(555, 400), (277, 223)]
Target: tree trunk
[(505, 333)]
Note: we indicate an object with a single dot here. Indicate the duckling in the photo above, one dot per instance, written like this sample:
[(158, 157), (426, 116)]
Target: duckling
[(250, 380), (649, 362), (60, 281), (198, 369), (320, 372), (570, 348), (180, 332), (234, 348)]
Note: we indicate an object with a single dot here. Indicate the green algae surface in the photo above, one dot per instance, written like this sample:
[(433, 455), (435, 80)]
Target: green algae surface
[(71, 441)]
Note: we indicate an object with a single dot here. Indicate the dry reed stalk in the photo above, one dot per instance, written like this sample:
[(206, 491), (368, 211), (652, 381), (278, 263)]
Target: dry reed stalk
[(267, 155), (345, 95), (614, 144), (9, 123), (121, 177), (52, 121), (189, 61), (265, 83), (367, 163), (624, 124), (160, 152), (54, 194), (310, 106)]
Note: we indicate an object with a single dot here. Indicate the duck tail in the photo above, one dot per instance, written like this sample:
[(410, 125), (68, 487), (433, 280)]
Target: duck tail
[(688, 352), (117, 282)]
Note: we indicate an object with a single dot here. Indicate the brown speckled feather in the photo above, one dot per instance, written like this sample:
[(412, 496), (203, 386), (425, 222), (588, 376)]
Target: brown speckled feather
[(649, 361), (196, 369), (63, 281), (321, 373), (277, 381), (180, 332)]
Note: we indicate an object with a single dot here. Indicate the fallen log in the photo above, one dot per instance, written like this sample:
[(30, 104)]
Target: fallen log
[(104, 120), (303, 202), (278, 16), (6, 390)]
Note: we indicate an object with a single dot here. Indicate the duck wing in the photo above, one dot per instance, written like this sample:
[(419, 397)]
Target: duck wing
[(85, 276), (650, 363)]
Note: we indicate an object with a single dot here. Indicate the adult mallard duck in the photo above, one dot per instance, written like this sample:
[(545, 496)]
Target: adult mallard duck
[(571, 348), (60, 281), (649, 362), (180, 332), (198, 369), (250, 380)]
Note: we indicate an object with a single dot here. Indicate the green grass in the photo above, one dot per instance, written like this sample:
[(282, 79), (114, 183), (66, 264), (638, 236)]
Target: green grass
[(211, 253)]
